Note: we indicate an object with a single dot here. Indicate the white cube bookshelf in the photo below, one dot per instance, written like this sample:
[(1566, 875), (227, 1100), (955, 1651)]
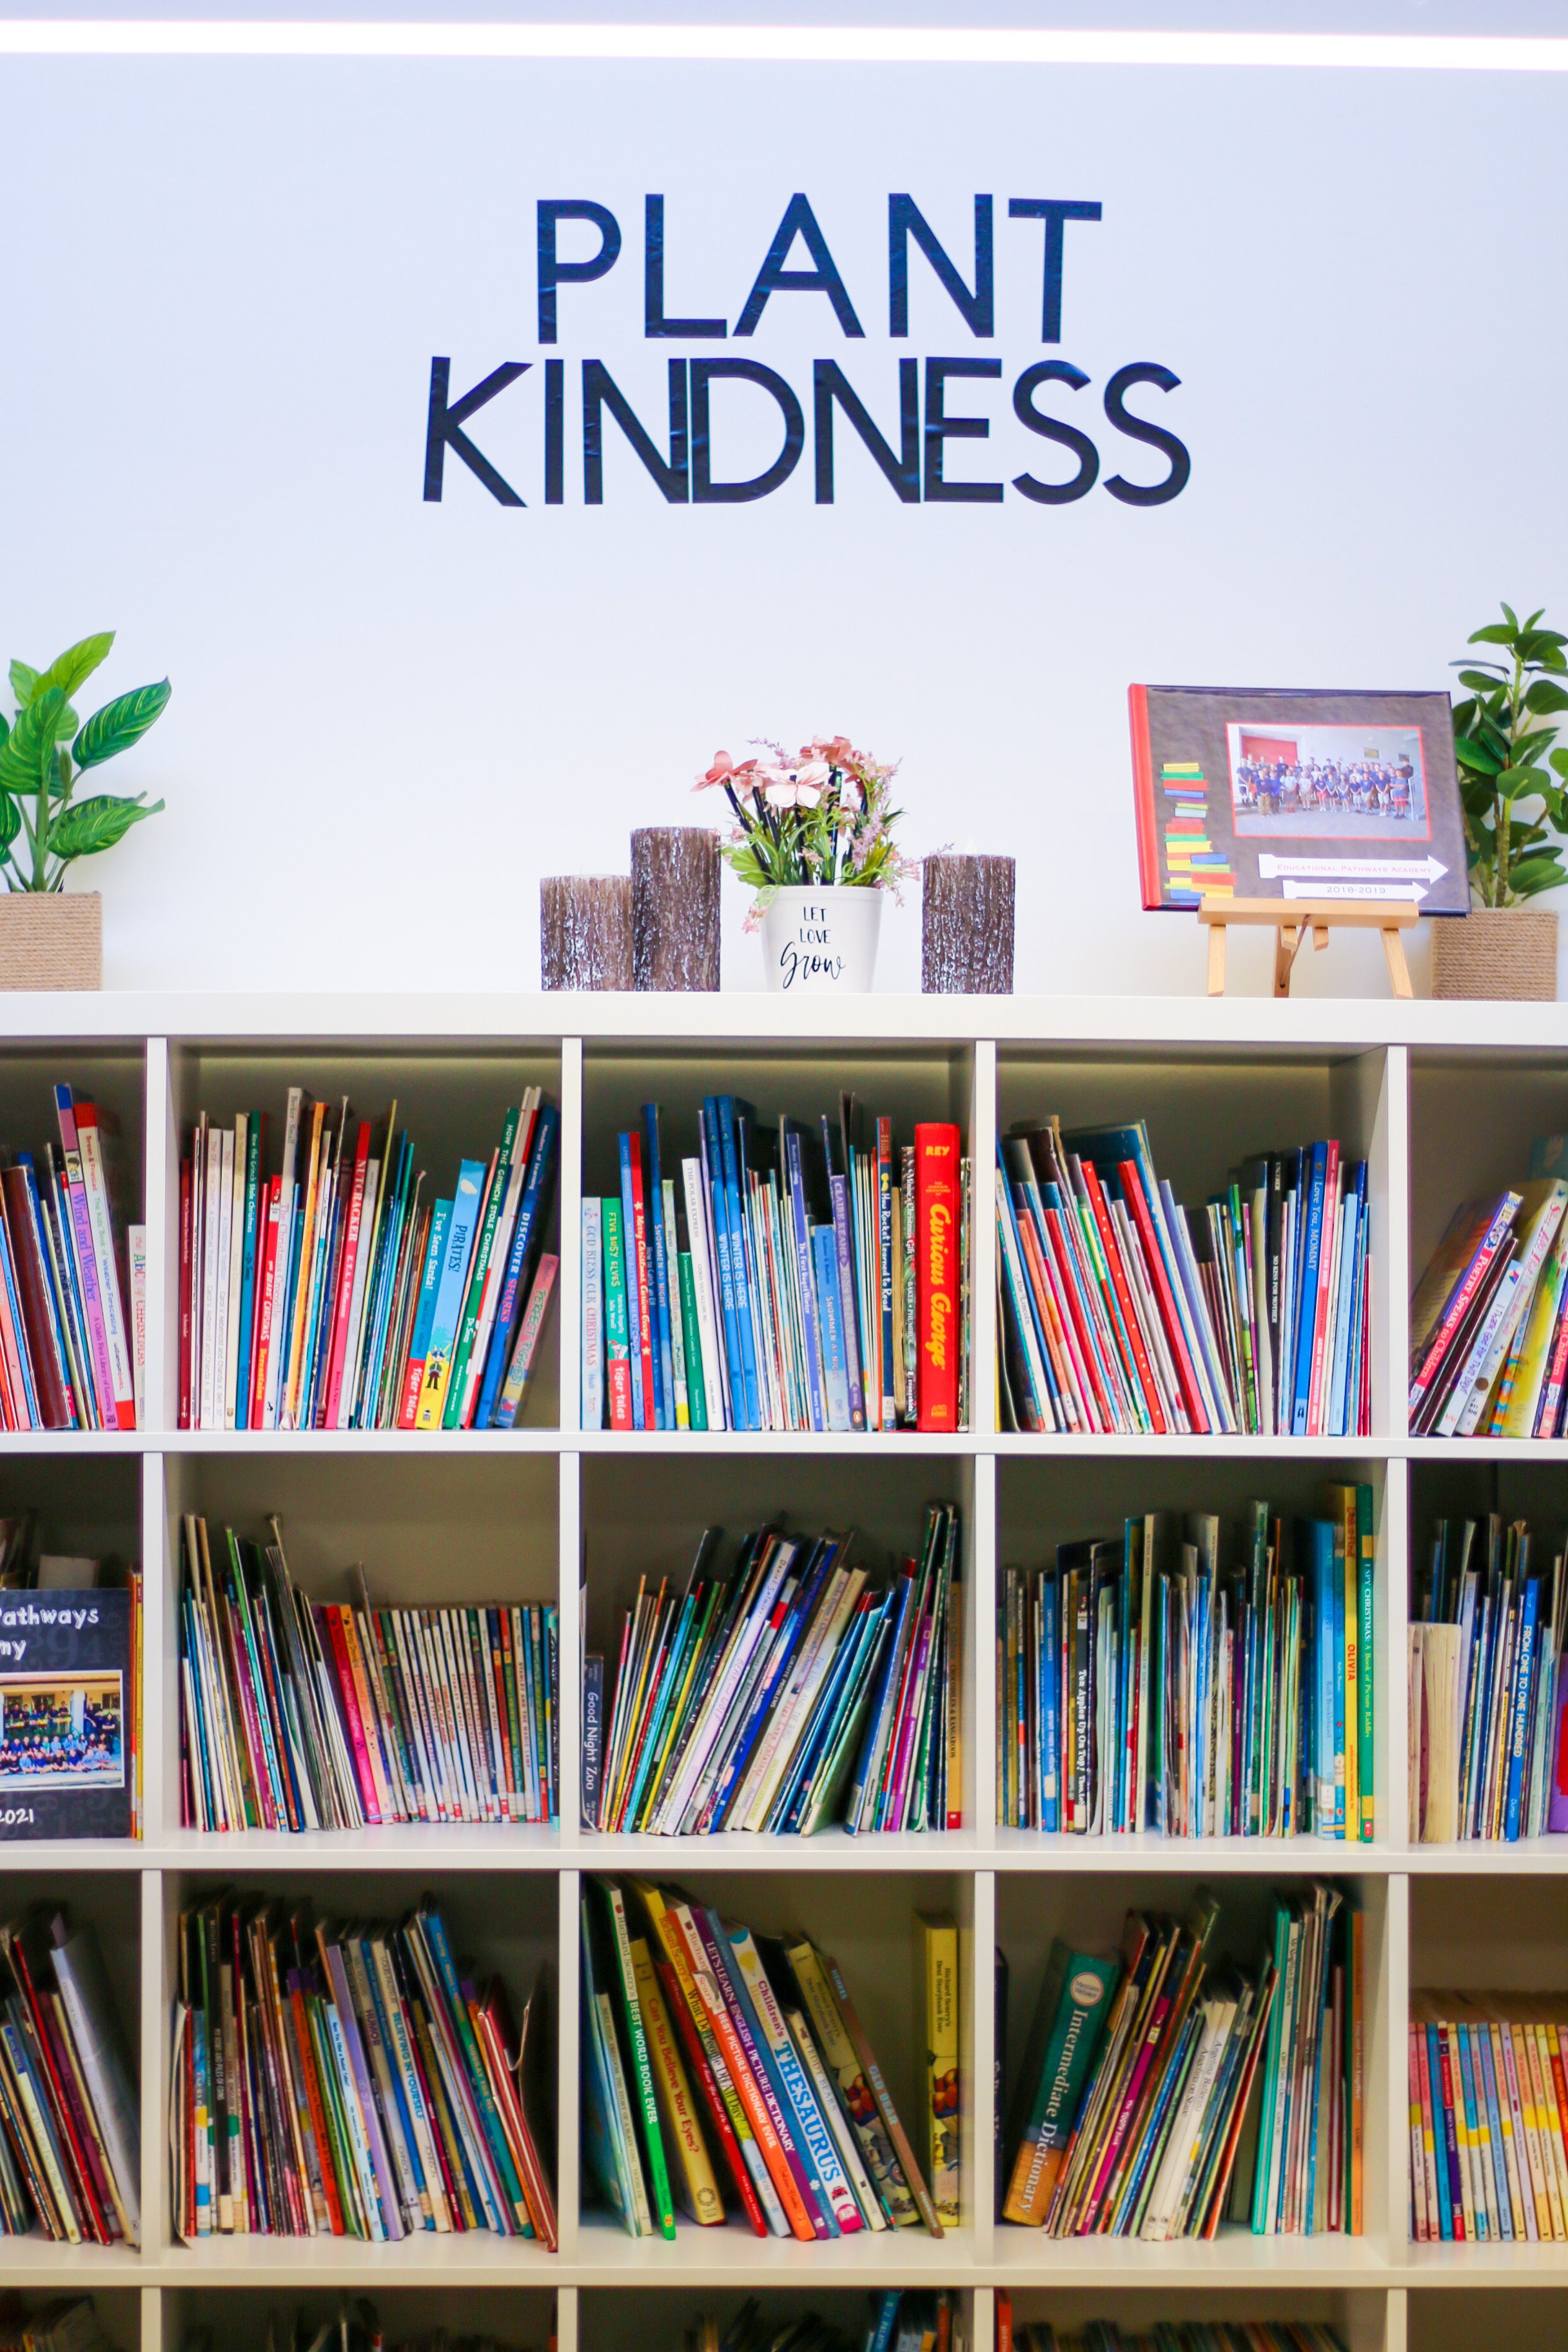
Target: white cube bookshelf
[(1432, 1095)]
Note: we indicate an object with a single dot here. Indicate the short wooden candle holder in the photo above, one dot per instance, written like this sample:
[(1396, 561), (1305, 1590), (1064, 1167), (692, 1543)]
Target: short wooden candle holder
[(585, 930), (675, 907), (966, 926)]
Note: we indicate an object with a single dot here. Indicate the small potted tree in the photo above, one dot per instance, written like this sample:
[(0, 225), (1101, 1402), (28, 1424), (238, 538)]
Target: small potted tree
[(1513, 785), (50, 938)]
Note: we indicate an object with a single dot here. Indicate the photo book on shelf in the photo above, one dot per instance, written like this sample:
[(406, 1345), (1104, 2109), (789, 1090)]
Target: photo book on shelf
[(1267, 794), (70, 1680)]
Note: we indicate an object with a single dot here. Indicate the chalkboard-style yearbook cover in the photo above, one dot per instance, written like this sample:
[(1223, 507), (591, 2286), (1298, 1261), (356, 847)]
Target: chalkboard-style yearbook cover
[(64, 1699), (1269, 793)]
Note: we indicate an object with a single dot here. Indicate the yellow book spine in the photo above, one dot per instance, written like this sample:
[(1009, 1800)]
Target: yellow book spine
[(939, 1991), (674, 2091)]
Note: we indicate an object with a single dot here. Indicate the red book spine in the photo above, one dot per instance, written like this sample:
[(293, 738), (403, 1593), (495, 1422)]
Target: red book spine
[(937, 1322), (1143, 797), (185, 1178), (638, 1239), (1138, 1208), (1551, 1395), (1111, 1243), (343, 1302), (261, 1348), (619, 1373), (27, 1265), (703, 2075), (79, 2180), (358, 1734)]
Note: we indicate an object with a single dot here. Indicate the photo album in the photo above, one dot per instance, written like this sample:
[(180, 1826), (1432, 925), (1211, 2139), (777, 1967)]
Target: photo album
[(1273, 795)]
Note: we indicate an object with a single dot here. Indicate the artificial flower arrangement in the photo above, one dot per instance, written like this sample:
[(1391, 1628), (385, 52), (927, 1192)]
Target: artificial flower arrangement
[(820, 820)]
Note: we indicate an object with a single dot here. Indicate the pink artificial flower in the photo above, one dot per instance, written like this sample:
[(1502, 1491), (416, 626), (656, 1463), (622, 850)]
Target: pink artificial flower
[(799, 785), (726, 770)]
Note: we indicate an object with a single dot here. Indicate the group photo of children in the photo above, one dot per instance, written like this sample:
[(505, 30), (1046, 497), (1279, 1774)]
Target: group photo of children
[(65, 1729), (1337, 781)]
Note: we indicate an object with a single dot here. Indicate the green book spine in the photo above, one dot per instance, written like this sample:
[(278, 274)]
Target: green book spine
[(1074, 2002), (695, 1394), (1366, 1660), (1261, 2200), (467, 1328), (644, 2096)]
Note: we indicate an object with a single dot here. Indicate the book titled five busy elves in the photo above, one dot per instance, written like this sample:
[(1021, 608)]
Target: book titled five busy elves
[(782, 1276)]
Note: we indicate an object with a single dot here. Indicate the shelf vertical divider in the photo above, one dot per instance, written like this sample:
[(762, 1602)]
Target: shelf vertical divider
[(982, 2319), (978, 1697), (159, 1981), (1395, 2320), (1391, 1172), (569, 1322), (568, 2078), (150, 2320), (566, 2318), (1394, 2004), (1391, 1758), (160, 1758), (160, 1215), (977, 2040), (569, 1646), (983, 1239)]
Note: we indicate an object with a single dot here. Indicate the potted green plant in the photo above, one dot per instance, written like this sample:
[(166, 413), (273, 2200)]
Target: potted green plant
[(1513, 786), (50, 938)]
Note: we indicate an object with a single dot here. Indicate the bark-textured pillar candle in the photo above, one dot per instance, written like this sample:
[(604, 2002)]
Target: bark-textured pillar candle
[(585, 930), (967, 927), (675, 907)]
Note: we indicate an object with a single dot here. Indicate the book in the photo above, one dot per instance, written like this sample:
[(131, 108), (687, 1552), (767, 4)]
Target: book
[(775, 1285), (333, 1289), (937, 1985), (1069, 2019), (67, 1702)]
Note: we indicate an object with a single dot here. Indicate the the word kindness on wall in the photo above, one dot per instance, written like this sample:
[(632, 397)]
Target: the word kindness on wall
[(892, 414)]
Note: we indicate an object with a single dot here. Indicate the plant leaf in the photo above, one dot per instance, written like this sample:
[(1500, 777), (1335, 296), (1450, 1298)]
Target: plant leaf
[(1544, 695), (1478, 680), (88, 826), (1472, 754), (10, 820), (1496, 634), (1533, 874), (23, 681), (31, 745), (77, 664), (120, 724)]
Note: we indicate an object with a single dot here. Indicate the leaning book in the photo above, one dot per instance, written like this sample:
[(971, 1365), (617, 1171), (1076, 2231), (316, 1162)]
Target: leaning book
[(65, 1713)]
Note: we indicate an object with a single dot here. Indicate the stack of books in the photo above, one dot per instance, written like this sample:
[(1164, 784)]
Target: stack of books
[(73, 1282), (722, 2064), (301, 1716), (1195, 1681), (1135, 2113), (900, 2321), (786, 1693), (1489, 1320), (1118, 1311), (353, 2327), (349, 2082), (1170, 2334), (70, 2149), (1489, 1611), (330, 1294), (63, 2326), (789, 1280), (1488, 2115)]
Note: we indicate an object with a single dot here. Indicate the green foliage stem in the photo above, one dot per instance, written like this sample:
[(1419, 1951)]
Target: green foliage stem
[(1513, 785)]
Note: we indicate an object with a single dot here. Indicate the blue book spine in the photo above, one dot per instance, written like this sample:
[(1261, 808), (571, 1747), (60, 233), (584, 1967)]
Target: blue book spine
[(844, 1253), (887, 2314), (835, 1378), (879, 1706), (1051, 1728), (1519, 1734), (775, 2088), (662, 1346), (248, 1275), (780, 1659), (795, 1164), (1306, 1312), (1487, 2073), (1473, 2128), (1334, 1418), (633, 1271), (843, 1683), (713, 1180), (513, 1299), (728, 1188)]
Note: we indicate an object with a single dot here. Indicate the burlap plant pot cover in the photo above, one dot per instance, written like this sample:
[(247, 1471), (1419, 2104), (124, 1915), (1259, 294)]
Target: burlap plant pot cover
[(51, 939), (1496, 951)]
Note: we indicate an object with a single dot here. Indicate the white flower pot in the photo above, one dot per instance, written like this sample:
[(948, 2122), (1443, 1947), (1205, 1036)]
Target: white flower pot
[(822, 941)]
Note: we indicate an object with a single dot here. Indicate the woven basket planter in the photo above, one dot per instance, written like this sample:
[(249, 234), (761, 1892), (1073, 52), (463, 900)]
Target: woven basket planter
[(1496, 951), (48, 940)]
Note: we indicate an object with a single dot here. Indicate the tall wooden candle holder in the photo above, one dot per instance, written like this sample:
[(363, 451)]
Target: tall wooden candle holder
[(966, 926), (585, 930), (675, 907)]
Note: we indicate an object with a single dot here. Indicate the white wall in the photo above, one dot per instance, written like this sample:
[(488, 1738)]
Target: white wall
[(226, 280)]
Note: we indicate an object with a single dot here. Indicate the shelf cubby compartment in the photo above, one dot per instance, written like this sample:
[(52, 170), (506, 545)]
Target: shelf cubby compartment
[(451, 1098), (868, 1925), (645, 1516), (921, 1081), (659, 2319), (1207, 1109), (519, 2317), (1459, 2318), (430, 1529), (120, 2309), (1053, 1499), (1360, 2315), (506, 1926), (110, 1901), (1089, 1909)]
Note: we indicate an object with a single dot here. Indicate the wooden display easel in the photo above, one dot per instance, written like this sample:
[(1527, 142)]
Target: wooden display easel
[(1290, 921)]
